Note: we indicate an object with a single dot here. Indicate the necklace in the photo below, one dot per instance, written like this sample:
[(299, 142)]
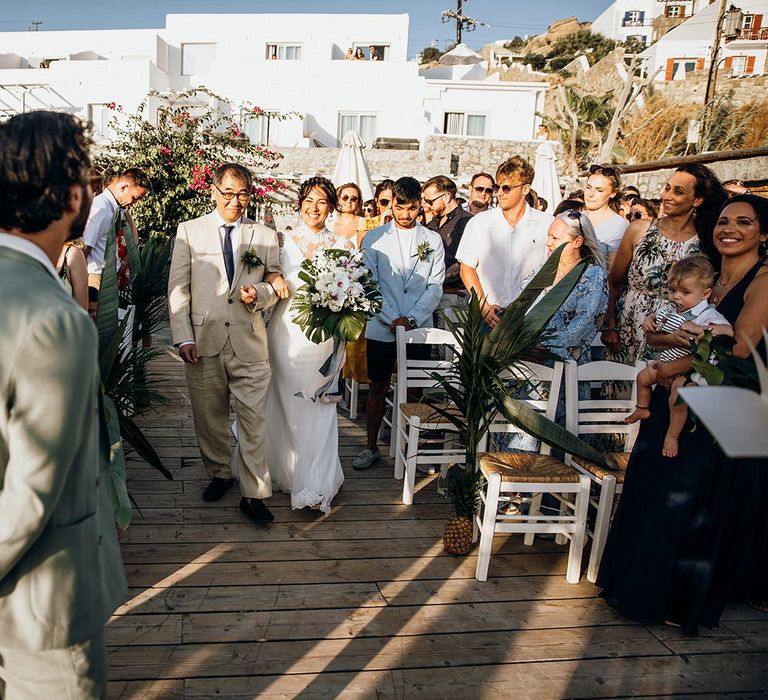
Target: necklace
[(724, 287)]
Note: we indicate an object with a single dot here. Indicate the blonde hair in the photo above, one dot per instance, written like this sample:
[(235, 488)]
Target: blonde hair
[(696, 266)]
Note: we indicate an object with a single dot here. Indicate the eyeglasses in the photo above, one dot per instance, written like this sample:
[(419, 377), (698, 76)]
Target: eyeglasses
[(434, 199), (383, 202), (634, 216), (506, 189), (485, 190), (607, 170), (229, 196), (573, 214), (349, 198)]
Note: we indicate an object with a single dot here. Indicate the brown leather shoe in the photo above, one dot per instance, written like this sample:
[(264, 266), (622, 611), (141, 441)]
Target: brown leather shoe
[(255, 510), (217, 488)]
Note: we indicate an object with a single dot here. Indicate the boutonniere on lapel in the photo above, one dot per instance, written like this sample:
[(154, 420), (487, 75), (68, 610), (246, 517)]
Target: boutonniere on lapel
[(423, 251), (250, 259)]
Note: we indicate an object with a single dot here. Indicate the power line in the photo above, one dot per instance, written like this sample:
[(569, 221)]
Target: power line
[(461, 21)]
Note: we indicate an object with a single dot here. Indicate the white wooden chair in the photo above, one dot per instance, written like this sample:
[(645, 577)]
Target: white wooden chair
[(601, 416), (508, 473), (413, 418)]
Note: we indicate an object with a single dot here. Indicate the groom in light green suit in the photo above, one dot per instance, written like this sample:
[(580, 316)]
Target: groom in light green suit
[(60, 571)]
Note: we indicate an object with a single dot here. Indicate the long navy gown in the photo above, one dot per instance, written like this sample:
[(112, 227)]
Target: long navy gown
[(690, 532)]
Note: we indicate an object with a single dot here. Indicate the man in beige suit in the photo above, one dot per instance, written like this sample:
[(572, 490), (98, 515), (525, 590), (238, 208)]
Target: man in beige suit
[(225, 270), (60, 571)]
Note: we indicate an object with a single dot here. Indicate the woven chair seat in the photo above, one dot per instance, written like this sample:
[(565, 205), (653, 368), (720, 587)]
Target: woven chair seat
[(527, 468), (614, 459), (426, 413)]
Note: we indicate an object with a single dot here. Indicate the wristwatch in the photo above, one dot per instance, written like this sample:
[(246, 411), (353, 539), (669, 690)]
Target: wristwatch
[(411, 321)]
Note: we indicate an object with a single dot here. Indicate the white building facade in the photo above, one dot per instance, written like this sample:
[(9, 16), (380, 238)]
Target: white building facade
[(280, 62), (643, 19), (685, 51)]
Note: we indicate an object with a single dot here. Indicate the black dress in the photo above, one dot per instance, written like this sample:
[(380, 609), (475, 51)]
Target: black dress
[(690, 532)]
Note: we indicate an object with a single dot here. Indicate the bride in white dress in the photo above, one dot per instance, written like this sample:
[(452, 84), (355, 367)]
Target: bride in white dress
[(303, 437)]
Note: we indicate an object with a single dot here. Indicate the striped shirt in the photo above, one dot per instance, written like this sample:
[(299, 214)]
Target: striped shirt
[(668, 320)]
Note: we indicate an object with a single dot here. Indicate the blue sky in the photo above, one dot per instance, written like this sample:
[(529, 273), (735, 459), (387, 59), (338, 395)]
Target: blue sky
[(505, 17)]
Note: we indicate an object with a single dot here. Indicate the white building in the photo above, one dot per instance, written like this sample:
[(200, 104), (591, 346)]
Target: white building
[(685, 51), (645, 20), (280, 62)]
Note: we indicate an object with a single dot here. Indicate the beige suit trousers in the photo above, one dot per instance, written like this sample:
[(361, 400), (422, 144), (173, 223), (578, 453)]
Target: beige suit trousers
[(78, 672), (211, 383)]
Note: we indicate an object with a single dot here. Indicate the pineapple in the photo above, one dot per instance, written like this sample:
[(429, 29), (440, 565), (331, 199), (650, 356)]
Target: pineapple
[(464, 491)]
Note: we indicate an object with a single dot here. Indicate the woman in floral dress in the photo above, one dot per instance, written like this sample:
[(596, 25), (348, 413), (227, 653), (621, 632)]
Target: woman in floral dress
[(637, 280)]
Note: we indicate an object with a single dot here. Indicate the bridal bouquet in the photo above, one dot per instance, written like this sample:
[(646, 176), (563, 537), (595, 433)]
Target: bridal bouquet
[(338, 296)]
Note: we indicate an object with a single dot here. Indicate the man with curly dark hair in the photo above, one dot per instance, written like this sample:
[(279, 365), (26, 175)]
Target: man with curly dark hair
[(61, 575)]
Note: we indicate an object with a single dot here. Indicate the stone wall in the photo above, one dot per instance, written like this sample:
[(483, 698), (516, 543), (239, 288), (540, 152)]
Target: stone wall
[(692, 89), (469, 155)]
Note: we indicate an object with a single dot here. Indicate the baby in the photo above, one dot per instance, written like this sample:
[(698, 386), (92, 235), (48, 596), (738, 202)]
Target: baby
[(689, 285)]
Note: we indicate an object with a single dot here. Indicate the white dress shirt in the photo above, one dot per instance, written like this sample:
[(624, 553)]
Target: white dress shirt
[(503, 256), (103, 208)]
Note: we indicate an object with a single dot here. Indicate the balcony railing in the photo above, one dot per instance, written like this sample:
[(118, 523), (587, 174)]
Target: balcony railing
[(749, 35), (633, 23)]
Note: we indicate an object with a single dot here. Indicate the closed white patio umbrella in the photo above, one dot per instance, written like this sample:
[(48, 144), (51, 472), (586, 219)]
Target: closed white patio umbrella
[(546, 181), (352, 167)]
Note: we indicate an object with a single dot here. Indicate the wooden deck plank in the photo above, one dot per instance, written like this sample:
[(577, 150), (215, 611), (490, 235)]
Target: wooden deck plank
[(378, 653), (365, 603), (705, 676)]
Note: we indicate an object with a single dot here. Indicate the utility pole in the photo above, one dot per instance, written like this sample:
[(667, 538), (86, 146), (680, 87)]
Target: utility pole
[(461, 21), (709, 95)]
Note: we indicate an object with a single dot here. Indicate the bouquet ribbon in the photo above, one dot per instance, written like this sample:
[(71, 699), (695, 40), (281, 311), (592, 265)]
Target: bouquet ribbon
[(326, 388)]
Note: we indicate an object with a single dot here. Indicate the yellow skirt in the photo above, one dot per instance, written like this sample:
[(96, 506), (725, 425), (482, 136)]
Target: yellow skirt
[(356, 366)]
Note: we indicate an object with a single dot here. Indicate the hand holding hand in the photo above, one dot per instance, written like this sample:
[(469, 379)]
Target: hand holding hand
[(649, 324), (402, 321), (610, 338), (492, 314), (188, 353), (693, 329), (279, 284), (248, 294)]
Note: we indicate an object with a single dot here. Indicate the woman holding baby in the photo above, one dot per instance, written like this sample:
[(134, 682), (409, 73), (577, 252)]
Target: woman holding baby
[(691, 531)]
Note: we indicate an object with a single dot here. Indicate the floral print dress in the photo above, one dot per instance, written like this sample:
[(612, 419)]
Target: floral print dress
[(646, 288)]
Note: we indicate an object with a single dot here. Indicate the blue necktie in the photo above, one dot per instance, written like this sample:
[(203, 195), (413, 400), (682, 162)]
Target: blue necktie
[(229, 260)]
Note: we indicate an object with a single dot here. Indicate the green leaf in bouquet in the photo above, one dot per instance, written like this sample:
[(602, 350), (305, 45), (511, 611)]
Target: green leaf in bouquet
[(118, 482)]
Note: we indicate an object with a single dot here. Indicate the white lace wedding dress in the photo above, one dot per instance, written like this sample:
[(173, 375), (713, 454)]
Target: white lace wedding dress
[(302, 436)]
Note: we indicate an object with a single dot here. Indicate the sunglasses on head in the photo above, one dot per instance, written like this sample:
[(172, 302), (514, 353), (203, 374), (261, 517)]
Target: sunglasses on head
[(573, 214), (485, 190), (634, 216), (606, 170)]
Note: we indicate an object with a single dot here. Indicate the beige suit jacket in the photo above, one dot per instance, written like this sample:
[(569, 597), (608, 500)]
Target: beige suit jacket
[(203, 307), (61, 574)]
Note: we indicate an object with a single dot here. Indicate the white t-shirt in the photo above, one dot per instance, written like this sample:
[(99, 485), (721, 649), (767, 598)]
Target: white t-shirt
[(103, 208), (504, 257), (610, 232)]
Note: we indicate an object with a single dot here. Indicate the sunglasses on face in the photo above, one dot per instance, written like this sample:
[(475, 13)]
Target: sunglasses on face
[(383, 202), (434, 199), (350, 198), (634, 216), (606, 170), (485, 190), (506, 189), (369, 208)]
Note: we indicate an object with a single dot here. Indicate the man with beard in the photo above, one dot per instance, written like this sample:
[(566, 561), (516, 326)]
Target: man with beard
[(123, 190), (481, 191), (60, 571)]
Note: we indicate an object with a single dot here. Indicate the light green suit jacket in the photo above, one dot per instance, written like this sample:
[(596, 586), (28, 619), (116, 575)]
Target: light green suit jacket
[(61, 574)]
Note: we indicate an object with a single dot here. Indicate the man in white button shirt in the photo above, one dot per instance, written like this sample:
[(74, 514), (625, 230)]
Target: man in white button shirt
[(502, 248), (122, 191)]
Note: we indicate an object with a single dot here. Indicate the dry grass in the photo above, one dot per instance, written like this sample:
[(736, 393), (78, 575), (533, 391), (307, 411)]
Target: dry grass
[(659, 130)]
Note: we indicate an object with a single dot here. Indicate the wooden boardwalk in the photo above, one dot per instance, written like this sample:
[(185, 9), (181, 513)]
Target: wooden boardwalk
[(365, 603)]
